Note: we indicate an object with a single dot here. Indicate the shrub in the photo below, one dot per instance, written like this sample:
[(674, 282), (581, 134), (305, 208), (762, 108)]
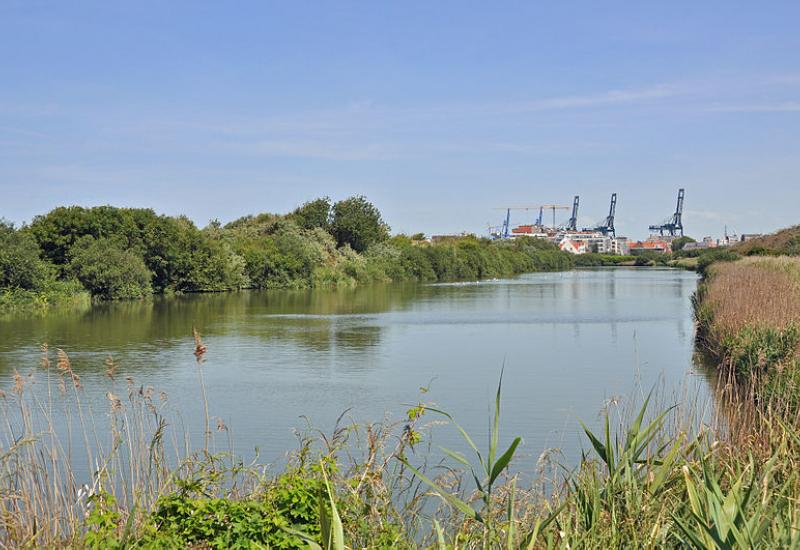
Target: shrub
[(20, 264), (357, 222), (290, 502), (313, 214), (109, 271), (708, 257)]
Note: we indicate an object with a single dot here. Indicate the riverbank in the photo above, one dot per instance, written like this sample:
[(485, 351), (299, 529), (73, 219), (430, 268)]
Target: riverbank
[(650, 478), (124, 253), (58, 295), (748, 314)]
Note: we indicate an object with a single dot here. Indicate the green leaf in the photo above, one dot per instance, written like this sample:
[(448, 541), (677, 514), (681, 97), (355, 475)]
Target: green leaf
[(463, 432), (511, 516), (496, 428), (503, 461), (336, 528), (454, 501), (439, 535)]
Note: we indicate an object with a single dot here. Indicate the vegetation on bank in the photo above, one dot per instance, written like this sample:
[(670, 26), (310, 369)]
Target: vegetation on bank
[(125, 253), (748, 314), (603, 260), (785, 242), (649, 478)]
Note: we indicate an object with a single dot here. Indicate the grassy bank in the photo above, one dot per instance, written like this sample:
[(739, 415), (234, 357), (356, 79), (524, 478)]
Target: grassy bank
[(748, 314), (652, 477)]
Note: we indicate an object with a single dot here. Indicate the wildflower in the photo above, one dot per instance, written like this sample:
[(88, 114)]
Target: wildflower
[(116, 403), (19, 383), (199, 348)]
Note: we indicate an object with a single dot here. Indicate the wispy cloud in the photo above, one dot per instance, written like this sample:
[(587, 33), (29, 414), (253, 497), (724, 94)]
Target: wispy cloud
[(366, 131), (611, 97), (710, 215), (777, 107), (318, 149)]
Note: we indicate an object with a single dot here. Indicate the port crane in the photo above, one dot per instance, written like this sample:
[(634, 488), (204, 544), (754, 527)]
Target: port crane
[(674, 223), (553, 207), (505, 229), (606, 227), (572, 223)]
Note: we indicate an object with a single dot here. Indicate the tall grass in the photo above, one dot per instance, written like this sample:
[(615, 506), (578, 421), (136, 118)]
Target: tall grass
[(749, 314), (652, 476)]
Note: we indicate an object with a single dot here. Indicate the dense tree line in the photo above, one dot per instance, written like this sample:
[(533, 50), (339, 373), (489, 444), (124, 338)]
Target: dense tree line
[(119, 253)]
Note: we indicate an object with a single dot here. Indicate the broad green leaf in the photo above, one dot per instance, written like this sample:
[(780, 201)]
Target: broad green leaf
[(503, 461)]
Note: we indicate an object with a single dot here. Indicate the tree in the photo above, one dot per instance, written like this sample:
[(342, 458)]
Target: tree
[(680, 242), (108, 270), (313, 214), (20, 264), (358, 223)]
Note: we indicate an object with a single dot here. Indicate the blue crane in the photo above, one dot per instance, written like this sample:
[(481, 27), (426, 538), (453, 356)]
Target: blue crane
[(572, 224), (674, 224), (606, 227)]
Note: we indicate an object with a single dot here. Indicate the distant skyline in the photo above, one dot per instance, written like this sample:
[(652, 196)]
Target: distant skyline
[(437, 112)]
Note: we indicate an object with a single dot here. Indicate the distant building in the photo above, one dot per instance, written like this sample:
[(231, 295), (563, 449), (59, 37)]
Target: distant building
[(651, 245), (707, 242), (750, 236), (445, 238), (582, 242), (620, 246), (573, 247)]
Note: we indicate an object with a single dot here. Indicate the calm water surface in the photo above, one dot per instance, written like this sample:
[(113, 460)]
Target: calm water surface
[(569, 342)]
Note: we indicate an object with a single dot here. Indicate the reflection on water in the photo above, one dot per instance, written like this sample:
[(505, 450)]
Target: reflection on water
[(568, 340)]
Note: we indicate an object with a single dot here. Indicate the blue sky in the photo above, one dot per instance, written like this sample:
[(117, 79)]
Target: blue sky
[(436, 111)]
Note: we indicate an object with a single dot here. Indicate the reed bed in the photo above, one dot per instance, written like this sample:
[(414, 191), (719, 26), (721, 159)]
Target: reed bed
[(749, 316), (754, 291), (654, 476)]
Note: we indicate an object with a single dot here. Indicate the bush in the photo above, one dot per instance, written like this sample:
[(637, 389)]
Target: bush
[(595, 260), (313, 214), (109, 271), (20, 264), (358, 223), (56, 294), (650, 257), (189, 518), (708, 257)]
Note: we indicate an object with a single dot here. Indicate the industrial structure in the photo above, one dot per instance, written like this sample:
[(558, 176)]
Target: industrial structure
[(572, 224), (599, 238), (606, 227), (674, 224)]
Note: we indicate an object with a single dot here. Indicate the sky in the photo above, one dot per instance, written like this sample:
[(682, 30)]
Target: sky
[(438, 112)]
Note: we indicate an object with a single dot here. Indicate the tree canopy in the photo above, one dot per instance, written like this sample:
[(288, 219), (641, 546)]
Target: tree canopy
[(358, 223), (122, 253)]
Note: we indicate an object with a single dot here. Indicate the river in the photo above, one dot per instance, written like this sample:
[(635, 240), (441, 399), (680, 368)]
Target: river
[(569, 342)]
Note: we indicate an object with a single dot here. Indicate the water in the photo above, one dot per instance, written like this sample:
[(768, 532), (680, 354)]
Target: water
[(569, 341)]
